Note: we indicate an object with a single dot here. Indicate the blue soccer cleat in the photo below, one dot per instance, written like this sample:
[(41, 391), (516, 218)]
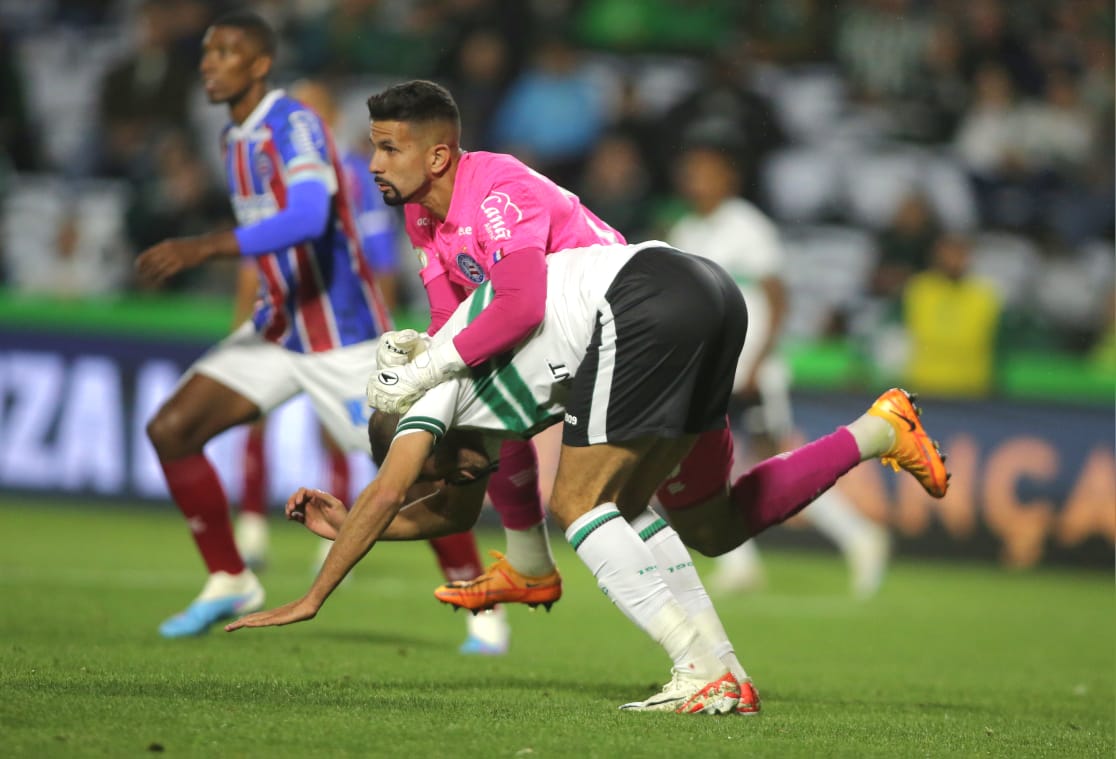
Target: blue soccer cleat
[(225, 596)]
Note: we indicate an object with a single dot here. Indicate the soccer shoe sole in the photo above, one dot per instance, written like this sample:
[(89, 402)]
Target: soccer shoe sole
[(914, 450), (201, 615)]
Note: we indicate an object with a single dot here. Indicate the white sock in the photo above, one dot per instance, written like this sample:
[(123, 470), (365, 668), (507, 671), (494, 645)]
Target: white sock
[(874, 436), (676, 567), (489, 626), (528, 551), (837, 519), (626, 572)]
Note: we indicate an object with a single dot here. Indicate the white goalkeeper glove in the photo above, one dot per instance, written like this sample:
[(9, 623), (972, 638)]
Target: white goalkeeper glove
[(395, 389), (398, 347)]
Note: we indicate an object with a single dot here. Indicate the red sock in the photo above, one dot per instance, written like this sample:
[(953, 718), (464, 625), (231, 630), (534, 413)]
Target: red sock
[(457, 556), (778, 488), (254, 498), (702, 474), (339, 474), (195, 487), (514, 487)]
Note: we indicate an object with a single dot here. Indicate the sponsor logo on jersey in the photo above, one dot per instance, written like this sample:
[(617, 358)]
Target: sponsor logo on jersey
[(463, 231), (470, 268), (423, 221), (500, 212)]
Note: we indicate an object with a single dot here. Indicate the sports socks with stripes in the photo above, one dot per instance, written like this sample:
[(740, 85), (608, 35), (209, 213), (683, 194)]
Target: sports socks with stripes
[(676, 567), (627, 572)]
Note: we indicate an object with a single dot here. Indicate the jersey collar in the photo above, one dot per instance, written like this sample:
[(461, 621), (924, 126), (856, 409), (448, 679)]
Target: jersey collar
[(257, 114)]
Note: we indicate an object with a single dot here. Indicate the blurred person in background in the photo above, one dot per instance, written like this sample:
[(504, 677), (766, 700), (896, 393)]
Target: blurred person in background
[(378, 228), (145, 92), (989, 143), (318, 302), (952, 319), (177, 199), (905, 247), (725, 228), (616, 183), (478, 73), (553, 113), (80, 264), (723, 93), (18, 142)]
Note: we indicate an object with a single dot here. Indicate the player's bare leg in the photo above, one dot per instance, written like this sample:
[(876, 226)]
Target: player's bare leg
[(591, 481), (198, 411)]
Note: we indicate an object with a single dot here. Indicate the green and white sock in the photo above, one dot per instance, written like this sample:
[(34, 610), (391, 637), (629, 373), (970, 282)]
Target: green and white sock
[(626, 572), (676, 567)]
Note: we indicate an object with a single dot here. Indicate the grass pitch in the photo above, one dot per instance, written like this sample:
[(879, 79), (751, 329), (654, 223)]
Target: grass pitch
[(949, 660)]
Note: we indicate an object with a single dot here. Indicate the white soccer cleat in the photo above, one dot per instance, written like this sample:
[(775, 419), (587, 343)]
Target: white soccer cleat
[(689, 694), (489, 633), (251, 536), (868, 558), (224, 596)]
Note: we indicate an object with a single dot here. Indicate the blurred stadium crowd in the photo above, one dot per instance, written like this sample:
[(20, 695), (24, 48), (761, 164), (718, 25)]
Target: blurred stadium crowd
[(886, 138)]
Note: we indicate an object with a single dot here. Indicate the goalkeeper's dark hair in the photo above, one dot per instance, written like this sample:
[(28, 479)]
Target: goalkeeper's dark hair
[(254, 27), (416, 102)]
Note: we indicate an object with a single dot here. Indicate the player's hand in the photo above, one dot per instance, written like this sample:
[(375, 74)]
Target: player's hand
[(398, 347), (287, 614), (395, 390), (160, 262), (321, 513)]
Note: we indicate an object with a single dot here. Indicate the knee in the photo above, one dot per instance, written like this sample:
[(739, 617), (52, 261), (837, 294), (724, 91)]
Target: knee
[(169, 433)]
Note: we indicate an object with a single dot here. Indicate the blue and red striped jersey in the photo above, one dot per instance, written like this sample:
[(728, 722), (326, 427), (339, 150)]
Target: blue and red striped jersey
[(321, 293)]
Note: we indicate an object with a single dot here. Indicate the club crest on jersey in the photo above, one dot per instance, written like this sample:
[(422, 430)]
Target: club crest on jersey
[(263, 167), (470, 268), (500, 212)]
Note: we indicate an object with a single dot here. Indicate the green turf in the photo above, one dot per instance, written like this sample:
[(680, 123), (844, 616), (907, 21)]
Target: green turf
[(947, 661)]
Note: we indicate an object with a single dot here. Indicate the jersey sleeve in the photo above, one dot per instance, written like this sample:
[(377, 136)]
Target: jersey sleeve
[(303, 147), (433, 412), (512, 216)]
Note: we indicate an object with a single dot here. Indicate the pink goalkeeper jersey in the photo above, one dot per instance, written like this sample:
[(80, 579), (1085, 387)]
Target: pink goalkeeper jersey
[(499, 206)]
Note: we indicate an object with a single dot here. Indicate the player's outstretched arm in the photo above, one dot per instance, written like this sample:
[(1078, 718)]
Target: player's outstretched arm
[(366, 522), (161, 262)]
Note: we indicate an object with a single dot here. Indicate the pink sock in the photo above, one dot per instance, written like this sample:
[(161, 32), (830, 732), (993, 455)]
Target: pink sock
[(514, 487), (778, 488), (457, 556), (254, 498), (702, 474), (339, 475), (195, 487)]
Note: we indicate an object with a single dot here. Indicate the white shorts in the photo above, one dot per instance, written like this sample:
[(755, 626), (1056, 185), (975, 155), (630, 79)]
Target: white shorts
[(269, 375)]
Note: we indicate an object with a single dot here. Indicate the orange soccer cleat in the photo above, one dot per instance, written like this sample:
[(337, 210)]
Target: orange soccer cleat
[(500, 584), (913, 451)]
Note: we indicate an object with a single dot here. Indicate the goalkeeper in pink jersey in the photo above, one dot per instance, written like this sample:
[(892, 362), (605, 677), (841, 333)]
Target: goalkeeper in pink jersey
[(475, 217)]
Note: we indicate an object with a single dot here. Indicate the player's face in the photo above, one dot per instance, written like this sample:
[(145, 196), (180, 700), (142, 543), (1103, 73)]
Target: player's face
[(460, 469), (230, 64), (400, 160)]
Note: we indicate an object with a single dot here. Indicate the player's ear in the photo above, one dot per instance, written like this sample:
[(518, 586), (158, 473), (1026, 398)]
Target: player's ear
[(261, 66), (439, 159)]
